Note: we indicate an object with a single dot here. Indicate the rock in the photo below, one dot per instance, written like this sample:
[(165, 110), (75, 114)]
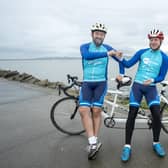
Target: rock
[(24, 77), (11, 78), (1, 72), (17, 77), (4, 72), (10, 74), (52, 85), (33, 81), (43, 82), (28, 79)]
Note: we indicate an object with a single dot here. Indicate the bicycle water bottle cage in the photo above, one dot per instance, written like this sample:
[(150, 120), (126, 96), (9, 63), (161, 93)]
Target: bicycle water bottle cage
[(126, 81)]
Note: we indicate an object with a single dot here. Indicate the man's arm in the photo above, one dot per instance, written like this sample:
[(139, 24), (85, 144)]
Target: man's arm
[(113, 51), (129, 63), (163, 70), (84, 49)]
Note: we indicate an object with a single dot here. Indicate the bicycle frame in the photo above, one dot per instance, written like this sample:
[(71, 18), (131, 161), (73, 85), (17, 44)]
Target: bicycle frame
[(141, 119), (114, 105)]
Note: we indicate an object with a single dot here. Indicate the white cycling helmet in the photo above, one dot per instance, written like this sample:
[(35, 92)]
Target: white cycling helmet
[(156, 33), (99, 27)]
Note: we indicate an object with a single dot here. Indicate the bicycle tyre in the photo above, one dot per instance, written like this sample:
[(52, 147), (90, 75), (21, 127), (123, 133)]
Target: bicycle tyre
[(61, 113), (164, 126)]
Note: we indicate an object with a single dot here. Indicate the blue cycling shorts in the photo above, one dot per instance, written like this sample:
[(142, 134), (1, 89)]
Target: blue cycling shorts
[(149, 92), (92, 94)]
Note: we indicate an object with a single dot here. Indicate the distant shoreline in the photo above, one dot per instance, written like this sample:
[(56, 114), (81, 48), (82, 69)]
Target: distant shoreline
[(41, 59)]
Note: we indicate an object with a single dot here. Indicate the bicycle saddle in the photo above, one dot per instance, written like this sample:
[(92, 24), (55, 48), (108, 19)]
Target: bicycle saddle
[(126, 81), (164, 83)]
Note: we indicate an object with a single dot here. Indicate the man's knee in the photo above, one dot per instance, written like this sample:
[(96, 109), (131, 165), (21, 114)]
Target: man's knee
[(155, 110), (84, 111), (96, 111), (133, 110)]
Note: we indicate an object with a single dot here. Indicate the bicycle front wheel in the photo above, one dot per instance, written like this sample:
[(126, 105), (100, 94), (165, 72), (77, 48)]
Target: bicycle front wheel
[(65, 116), (164, 117)]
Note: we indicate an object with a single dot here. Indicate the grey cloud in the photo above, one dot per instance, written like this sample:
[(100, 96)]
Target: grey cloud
[(45, 27)]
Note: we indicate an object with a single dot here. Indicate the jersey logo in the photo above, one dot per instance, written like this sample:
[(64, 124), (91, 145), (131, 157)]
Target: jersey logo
[(95, 62), (146, 60)]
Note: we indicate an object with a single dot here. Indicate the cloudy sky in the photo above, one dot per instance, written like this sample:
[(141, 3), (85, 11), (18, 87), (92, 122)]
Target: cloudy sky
[(42, 28)]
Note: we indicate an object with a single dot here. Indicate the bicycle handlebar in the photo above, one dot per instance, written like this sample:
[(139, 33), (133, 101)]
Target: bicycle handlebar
[(73, 81), (71, 78)]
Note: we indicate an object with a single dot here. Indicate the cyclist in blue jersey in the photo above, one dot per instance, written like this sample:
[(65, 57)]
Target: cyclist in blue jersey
[(153, 65), (95, 64)]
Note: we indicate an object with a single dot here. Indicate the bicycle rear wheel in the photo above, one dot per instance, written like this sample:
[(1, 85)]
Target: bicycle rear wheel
[(65, 116), (164, 117)]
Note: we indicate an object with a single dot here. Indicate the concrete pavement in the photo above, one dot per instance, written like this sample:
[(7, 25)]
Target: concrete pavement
[(29, 140)]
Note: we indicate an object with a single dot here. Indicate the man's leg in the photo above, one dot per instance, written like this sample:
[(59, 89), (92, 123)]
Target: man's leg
[(156, 122), (96, 117), (156, 128), (91, 125), (87, 120), (154, 104), (130, 124), (85, 100), (135, 99), (97, 102), (126, 153)]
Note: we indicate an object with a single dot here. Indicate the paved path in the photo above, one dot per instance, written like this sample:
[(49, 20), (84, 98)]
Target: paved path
[(29, 140)]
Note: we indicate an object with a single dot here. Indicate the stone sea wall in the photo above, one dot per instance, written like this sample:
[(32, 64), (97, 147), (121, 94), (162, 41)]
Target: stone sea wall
[(27, 78)]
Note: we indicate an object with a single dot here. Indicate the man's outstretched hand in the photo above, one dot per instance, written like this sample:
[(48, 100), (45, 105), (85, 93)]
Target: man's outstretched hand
[(115, 53)]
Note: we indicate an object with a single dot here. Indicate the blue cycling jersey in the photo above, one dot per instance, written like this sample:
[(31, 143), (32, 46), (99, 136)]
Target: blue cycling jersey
[(95, 62), (152, 65), (149, 66)]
